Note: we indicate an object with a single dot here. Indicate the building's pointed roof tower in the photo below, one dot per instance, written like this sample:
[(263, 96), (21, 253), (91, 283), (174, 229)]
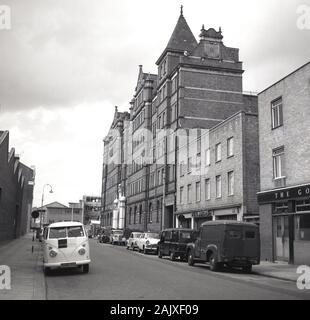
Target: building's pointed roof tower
[(182, 38)]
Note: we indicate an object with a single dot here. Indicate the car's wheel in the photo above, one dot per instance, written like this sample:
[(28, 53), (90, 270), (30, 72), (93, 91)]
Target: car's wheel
[(190, 259), (172, 256), (214, 266), (46, 270), (144, 250), (247, 269), (85, 268), (160, 255), (132, 247)]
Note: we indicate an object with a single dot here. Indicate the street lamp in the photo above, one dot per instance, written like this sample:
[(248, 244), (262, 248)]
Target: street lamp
[(42, 200)]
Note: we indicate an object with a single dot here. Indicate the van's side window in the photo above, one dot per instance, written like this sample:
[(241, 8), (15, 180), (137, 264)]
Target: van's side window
[(234, 234), (168, 235), (163, 236), (174, 235)]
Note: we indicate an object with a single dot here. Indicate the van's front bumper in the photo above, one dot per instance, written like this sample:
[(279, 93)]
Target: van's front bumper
[(68, 264)]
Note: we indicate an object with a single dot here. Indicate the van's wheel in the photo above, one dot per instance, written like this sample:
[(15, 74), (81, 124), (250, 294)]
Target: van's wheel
[(214, 266), (190, 259), (160, 255), (85, 268), (247, 269), (172, 256), (144, 250)]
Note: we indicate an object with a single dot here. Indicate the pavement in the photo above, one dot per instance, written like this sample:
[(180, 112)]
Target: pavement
[(27, 278), (29, 283), (277, 270)]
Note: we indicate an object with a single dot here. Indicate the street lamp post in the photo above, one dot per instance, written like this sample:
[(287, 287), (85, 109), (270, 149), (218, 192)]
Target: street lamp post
[(42, 200)]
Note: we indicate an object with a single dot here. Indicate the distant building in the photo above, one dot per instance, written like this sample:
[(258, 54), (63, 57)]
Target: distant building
[(91, 208), (57, 212), (16, 192), (284, 142)]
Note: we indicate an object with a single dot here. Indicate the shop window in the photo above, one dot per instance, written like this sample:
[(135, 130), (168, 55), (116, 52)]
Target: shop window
[(302, 227), (302, 206), (281, 207)]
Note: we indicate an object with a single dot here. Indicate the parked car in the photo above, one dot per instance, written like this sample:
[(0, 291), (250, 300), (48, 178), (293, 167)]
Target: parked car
[(173, 243), (117, 237), (103, 238), (148, 242), (65, 245), (231, 243), (132, 240)]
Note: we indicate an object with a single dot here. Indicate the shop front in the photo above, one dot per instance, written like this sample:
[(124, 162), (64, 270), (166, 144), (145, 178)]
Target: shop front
[(288, 212)]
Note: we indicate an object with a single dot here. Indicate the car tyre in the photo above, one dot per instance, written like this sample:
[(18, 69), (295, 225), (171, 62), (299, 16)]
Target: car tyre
[(172, 256), (247, 269), (190, 259), (160, 255), (47, 271), (85, 268), (144, 250), (214, 266)]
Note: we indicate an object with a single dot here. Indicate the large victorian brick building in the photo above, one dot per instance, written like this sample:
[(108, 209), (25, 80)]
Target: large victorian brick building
[(198, 88)]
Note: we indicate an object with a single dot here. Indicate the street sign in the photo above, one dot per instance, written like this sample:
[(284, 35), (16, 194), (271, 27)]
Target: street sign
[(35, 214)]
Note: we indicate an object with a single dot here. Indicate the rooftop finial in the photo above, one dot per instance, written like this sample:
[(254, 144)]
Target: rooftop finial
[(182, 10), (203, 27)]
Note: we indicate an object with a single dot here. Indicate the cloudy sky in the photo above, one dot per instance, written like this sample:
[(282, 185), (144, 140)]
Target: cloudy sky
[(65, 64)]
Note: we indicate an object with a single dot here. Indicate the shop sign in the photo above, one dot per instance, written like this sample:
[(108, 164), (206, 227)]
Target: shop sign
[(284, 194)]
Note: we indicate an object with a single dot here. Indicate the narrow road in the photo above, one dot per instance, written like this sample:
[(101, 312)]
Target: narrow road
[(119, 274)]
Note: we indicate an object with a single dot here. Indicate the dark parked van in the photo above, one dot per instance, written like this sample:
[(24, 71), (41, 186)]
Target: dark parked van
[(231, 243), (173, 243)]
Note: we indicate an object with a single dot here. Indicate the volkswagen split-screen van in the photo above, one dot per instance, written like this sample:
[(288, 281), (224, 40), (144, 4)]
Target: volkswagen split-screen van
[(65, 245)]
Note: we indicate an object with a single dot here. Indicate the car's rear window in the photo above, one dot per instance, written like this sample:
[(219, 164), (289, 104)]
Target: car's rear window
[(250, 234), (66, 232), (185, 236), (153, 235), (234, 234)]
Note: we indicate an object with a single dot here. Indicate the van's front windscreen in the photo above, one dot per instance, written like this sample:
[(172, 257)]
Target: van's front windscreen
[(69, 232), (57, 233)]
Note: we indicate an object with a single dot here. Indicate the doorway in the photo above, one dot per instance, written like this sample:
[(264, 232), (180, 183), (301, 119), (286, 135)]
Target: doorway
[(282, 238)]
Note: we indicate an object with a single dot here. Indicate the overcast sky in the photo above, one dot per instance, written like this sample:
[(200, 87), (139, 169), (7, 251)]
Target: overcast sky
[(64, 65)]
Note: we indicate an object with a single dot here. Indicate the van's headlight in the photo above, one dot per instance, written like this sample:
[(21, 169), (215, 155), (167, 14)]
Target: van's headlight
[(82, 251), (53, 254), (147, 242)]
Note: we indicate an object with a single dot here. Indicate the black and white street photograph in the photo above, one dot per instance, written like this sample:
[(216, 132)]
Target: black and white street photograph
[(154, 154)]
